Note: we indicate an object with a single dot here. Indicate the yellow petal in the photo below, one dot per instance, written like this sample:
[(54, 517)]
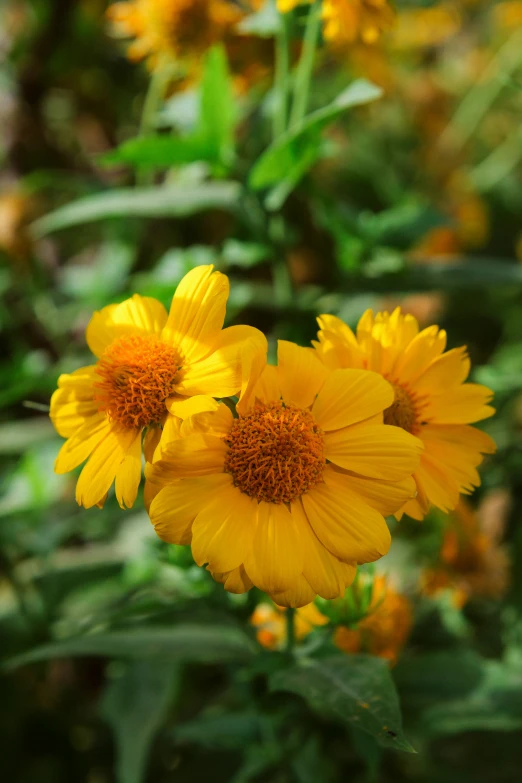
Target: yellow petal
[(73, 402), (460, 434), (176, 506), (440, 488), (128, 476), (220, 373), (100, 470), (301, 374), (236, 581), (344, 523), (417, 356), (137, 315), (223, 531), (151, 440), (195, 455), (253, 369), (462, 405), (75, 450), (276, 558), (349, 396), (298, 594), (185, 407), (385, 497), (217, 422), (450, 369), (378, 451), (197, 313), (321, 569)]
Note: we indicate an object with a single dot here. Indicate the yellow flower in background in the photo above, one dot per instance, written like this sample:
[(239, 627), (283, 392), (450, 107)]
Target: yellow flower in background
[(432, 400), (507, 16), (290, 495), (270, 623), (172, 29), (385, 629), (417, 28), (349, 21), (149, 364), (472, 562)]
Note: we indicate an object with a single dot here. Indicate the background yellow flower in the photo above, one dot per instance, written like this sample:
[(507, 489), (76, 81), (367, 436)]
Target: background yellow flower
[(432, 400)]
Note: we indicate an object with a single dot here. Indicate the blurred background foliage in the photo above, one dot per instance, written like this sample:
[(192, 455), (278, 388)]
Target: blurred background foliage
[(150, 671)]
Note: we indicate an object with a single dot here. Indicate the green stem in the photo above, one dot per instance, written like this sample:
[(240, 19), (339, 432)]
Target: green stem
[(153, 98), (290, 630), (281, 84), (305, 67)]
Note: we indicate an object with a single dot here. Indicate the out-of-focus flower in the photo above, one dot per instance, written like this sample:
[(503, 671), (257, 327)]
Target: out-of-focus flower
[(172, 30), (151, 368), (472, 563), (419, 28), (271, 623), (385, 629), (349, 21), (15, 213), (292, 494), (432, 400), (508, 15)]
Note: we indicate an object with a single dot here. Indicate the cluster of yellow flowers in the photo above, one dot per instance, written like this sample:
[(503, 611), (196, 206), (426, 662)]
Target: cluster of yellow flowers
[(277, 476)]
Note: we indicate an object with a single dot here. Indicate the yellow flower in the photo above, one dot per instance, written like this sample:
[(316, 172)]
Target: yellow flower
[(386, 628), (349, 21), (290, 495), (148, 366), (284, 6), (172, 29), (423, 27), (270, 623), (432, 400)]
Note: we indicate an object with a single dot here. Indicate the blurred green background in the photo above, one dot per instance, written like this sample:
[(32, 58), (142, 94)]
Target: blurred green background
[(414, 199)]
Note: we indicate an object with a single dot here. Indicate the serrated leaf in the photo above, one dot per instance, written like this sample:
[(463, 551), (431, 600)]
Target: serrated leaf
[(356, 689), (134, 705), (200, 643), (165, 201), (285, 154)]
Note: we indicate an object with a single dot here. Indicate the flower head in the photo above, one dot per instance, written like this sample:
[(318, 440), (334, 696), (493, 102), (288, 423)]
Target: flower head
[(432, 400), (350, 21), (290, 495), (385, 629), (151, 366), (172, 29)]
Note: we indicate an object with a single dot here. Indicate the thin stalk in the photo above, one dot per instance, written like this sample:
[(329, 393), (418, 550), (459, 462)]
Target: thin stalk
[(153, 98), (290, 630), (305, 66), (281, 84)]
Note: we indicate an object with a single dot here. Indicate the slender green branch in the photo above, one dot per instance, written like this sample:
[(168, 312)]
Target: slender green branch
[(306, 65), (153, 99)]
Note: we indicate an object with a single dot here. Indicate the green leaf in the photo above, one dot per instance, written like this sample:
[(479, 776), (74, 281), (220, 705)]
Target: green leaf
[(218, 108), (223, 730), (357, 689), (165, 201), (134, 704), (162, 151), (284, 156), (201, 643)]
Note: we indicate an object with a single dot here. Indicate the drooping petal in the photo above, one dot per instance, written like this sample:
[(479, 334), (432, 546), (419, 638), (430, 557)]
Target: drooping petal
[(298, 594), (175, 507), (275, 560), (223, 531), (321, 569), (446, 371), (216, 422), (347, 526), (139, 315), (350, 396), (128, 476), (72, 404), (197, 313), (301, 374), (220, 373), (185, 407), (102, 466), (378, 451), (236, 581), (386, 497), (75, 450), (195, 455)]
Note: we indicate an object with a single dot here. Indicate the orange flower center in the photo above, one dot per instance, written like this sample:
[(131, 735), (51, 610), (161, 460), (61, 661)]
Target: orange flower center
[(275, 453), (403, 410), (137, 374)]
